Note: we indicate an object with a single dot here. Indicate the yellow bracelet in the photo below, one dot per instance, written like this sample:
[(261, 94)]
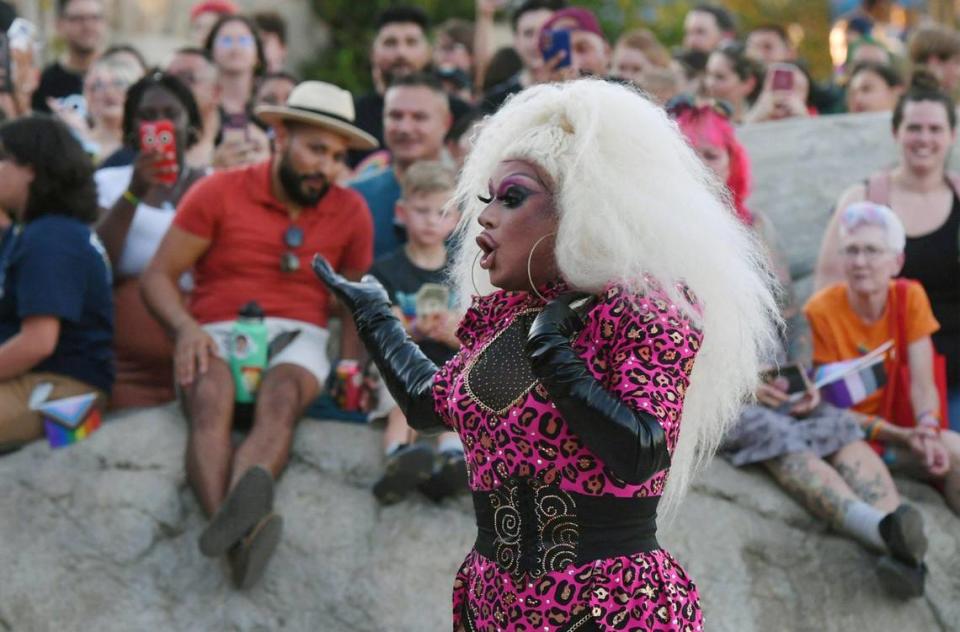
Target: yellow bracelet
[(875, 430), (130, 197)]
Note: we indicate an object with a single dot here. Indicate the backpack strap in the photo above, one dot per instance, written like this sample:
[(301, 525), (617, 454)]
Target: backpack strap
[(953, 179), (878, 188)]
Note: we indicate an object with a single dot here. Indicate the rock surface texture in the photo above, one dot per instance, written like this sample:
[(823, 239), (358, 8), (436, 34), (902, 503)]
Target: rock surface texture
[(102, 535)]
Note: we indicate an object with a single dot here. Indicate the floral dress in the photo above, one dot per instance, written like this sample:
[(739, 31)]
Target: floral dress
[(641, 347)]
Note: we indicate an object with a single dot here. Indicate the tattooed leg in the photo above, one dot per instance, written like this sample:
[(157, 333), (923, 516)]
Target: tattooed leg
[(866, 475), (813, 483)]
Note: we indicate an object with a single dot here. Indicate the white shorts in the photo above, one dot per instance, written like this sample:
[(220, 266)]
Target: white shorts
[(308, 350)]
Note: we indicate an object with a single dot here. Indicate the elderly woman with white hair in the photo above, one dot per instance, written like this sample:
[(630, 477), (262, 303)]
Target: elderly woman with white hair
[(619, 316), (860, 314)]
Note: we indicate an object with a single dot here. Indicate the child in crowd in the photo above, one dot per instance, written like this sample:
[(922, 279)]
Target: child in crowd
[(413, 276)]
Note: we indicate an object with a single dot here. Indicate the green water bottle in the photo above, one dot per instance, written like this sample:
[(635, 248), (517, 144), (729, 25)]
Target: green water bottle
[(248, 352)]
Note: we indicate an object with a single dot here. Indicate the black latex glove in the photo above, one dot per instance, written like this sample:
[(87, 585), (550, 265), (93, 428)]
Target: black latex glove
[(632, 444), (406, 371)]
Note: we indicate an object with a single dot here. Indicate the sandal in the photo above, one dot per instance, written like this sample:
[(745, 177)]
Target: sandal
[(247, 503), (248, 559)]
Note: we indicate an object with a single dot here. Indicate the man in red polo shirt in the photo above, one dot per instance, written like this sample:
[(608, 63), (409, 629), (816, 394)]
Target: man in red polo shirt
[(248, 235)]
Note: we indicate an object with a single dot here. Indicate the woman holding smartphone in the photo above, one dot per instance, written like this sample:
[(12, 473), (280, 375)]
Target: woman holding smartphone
[(137, 206)]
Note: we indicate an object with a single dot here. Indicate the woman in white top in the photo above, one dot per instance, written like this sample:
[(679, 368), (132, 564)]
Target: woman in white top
[(137, 208)]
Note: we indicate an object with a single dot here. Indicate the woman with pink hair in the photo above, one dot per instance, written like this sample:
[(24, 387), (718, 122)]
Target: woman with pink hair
[(708, 129)]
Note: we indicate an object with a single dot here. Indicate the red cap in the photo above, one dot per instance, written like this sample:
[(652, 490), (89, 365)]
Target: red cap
[(223, 7), (574, 19)]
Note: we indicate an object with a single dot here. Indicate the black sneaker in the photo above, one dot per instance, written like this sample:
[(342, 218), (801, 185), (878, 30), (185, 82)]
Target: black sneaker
[(903, 581), (449, 476), (406, 468), (902, 531)]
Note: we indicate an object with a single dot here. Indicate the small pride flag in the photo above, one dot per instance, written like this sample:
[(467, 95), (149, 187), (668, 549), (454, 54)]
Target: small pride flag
[(845, 384), (70, 419)]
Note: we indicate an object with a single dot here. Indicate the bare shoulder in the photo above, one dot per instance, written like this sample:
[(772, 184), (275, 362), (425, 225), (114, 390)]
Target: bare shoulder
[(854, 193)]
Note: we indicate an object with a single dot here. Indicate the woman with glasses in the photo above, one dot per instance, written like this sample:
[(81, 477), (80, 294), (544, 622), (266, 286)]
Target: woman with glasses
[(706, 126), (859, 314), (137, 207), (814, 451), (927, 200), (56, 321), (235, 47)]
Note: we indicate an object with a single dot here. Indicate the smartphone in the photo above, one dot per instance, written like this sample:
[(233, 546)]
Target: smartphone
[(796, 377), (554, 41), (782, 78), (159, 136)]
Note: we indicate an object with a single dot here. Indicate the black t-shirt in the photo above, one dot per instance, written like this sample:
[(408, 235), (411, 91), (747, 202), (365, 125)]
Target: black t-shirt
[(403, 281), (58, 82), (493, 99), (368, 110)]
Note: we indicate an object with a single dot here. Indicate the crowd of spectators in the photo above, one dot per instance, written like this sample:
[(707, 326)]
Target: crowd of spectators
[(125, 260)]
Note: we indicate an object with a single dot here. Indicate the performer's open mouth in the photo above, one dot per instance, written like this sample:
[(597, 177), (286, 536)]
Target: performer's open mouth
[(488, 246)]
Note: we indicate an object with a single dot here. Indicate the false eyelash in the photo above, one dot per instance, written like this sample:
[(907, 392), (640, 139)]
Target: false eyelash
[(485, 200)]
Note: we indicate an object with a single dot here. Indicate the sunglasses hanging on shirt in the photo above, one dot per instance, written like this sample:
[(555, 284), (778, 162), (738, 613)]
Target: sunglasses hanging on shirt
[(292, 239)]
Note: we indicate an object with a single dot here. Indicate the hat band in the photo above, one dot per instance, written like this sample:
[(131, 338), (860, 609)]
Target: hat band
[(322, 113)]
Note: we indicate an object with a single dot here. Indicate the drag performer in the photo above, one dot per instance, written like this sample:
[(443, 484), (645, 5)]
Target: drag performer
[(618, 315)]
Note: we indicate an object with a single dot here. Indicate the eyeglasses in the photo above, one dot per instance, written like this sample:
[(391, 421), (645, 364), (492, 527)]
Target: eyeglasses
[(863, 213), (870, 253), (292, 239), (99, 85), (240, 41), (686, 103), (76, 18)]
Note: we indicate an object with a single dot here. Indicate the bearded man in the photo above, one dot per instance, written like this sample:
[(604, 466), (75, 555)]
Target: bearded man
[(249, 235)]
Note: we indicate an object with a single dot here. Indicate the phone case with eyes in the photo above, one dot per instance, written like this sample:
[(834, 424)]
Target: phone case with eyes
[(159, 137)]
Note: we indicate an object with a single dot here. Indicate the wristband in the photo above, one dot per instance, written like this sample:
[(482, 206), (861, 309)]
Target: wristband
[(930, 419), (875, 429), (130, 197)]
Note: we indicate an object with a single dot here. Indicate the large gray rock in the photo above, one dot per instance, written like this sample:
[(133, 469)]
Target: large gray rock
[(102, 536)]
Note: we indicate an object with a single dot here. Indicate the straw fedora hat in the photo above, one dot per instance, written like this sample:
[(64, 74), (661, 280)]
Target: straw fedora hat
[(321, 104)]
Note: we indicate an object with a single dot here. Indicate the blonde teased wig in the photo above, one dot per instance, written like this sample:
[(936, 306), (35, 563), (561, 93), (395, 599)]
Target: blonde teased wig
[(633, 199)]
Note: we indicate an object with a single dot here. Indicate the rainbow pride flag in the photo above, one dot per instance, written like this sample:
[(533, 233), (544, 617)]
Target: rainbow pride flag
[(70, 419)]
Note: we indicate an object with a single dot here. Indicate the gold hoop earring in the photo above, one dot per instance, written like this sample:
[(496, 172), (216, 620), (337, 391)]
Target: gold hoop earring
[(529, 261), (473, 272)]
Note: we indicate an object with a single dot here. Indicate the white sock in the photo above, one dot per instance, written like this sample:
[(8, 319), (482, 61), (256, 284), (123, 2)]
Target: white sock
[(862, 521), (392, 447), (449, 443)]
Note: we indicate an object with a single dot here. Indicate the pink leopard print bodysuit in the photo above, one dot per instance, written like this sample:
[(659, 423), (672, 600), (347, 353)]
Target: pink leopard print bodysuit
[(642, 349)]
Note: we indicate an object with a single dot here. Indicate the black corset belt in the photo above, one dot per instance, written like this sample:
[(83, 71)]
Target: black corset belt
[(528, 527)]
